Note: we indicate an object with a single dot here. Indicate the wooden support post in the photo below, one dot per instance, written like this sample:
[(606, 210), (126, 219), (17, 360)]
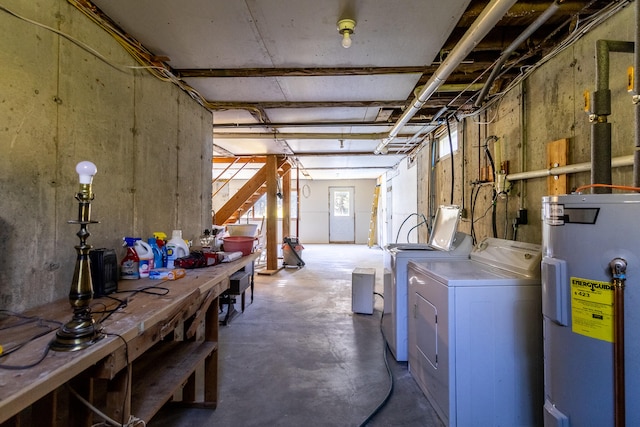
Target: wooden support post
[(46, 410), (211, 362), (272, 212), (286, 203), (119, 395), (79, 414)]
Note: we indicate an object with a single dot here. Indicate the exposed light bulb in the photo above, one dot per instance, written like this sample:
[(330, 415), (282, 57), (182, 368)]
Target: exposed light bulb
[(86, 170), (346, 40), (345, 28)]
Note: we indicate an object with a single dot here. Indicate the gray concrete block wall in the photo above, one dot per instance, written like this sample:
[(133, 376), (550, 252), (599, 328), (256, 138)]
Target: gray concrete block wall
[(60, 105), (553, 109)]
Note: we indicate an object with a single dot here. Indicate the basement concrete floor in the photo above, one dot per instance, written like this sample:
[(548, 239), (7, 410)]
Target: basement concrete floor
[(298, 356)]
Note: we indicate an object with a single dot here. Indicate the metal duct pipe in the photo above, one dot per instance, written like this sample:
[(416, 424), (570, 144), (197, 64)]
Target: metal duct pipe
[(601, 108), (304, 135), (489, 17), (636, 98), (544, 17), (561, 170)]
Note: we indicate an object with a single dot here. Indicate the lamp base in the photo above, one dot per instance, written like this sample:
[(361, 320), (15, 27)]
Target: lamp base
[(77, 334)]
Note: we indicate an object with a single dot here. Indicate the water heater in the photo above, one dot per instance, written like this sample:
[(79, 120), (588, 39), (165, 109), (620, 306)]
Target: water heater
[(582, 235)]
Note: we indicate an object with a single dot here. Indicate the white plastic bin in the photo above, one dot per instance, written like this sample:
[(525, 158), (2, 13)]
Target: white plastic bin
[(242, 229), (363, 281)]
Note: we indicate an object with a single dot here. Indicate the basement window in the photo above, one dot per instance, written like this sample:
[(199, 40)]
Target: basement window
[(444, 148)]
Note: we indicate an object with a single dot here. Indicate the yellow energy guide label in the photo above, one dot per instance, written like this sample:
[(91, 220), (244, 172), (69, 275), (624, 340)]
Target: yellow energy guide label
[(592, 308)]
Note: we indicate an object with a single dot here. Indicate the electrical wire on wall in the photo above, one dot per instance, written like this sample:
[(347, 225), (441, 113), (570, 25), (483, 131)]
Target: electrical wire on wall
[(492, 166), (432, 181), (474, 204), (453, 176), (463, 155), (485, 181), (578, 28)]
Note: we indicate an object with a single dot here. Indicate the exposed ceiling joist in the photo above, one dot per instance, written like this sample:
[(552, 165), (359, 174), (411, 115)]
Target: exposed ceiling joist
[(265, 68)]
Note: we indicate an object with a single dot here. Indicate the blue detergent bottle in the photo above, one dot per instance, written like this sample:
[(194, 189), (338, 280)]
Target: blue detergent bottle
[(161, 242), (157, 253)]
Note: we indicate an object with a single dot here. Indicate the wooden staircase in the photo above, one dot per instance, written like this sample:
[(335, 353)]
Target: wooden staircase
[(248, 195)]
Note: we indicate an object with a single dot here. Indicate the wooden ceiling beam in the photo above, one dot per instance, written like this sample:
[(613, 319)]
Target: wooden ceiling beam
[(229, 105), (296, 72)]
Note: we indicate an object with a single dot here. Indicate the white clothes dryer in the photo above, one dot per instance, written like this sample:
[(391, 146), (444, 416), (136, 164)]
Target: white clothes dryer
[(475, 335), (396, 258)]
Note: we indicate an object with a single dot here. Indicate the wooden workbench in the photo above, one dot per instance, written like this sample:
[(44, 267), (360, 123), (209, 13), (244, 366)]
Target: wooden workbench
[(161, 341)]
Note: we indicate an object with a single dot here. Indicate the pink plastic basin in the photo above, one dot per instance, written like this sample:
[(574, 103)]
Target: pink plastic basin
[(242, 244)]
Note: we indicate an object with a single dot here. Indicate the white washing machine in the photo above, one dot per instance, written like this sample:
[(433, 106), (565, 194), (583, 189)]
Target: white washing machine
[(475, 335), (396, 258)]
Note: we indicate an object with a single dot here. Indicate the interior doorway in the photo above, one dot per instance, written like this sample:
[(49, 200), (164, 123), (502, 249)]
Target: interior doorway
[(342, 217)]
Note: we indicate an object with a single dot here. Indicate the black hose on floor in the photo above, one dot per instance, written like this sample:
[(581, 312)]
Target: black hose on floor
[(386, 363)]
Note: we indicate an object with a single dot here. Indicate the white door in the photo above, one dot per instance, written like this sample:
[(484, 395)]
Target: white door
[(342, 219)]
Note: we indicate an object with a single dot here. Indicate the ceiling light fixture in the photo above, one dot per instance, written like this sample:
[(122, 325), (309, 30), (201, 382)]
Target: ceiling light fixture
[(345, 27)]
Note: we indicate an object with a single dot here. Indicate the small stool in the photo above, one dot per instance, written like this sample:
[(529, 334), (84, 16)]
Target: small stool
[(238, 284)]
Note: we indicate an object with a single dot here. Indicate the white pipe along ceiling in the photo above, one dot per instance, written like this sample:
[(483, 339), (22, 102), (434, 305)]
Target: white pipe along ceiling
[(485, 22)]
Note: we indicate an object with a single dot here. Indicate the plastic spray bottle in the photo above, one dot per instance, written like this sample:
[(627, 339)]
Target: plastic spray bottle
[(130, 264), (206, 240)]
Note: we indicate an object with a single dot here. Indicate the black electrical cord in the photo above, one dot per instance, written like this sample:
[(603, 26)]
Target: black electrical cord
[(402, 225), (30, 365), (463, 155), (389, 373), (44, 323), (494, 225), (474, 200), (506, 215), (25, 319), (122, 303), (473, 208), (424, 221), (453, 176)]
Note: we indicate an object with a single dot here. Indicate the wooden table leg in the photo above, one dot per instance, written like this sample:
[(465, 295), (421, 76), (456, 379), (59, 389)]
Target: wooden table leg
[(211, 362)]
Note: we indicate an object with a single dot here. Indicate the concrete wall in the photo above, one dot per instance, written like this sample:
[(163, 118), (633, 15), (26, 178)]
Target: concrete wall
[(60, 105), (547, 106)]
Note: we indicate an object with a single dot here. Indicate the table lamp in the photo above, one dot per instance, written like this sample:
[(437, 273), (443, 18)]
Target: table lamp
[(82, 330)]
